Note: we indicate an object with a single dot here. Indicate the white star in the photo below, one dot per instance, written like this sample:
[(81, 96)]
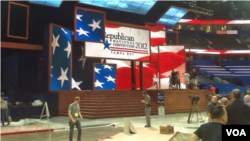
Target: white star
[(108, 67), (97, 70), (63, 76), (81, 31), (76, 84), (78, 17), (68, 49), (51, 73), (95, 25), (98, 84), (110, 78), (55, 43), (82, 59), (64, 31)]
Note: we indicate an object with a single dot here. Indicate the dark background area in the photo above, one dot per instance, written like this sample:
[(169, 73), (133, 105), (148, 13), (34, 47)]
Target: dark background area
[(18, 20), (20, 73)]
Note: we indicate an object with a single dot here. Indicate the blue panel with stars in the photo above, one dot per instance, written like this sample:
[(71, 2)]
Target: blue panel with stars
[(61, 58), (105, 77), (89, 26)]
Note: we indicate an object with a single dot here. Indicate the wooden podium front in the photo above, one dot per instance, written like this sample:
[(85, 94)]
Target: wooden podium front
[(108, 104), (177, 101)]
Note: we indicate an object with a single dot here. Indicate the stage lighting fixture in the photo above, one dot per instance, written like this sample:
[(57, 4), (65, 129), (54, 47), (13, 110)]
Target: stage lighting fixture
[(172, 16), (134, 6), (54, 3)]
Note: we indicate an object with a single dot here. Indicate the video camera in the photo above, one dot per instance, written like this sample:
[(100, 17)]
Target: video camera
[(194, 99)]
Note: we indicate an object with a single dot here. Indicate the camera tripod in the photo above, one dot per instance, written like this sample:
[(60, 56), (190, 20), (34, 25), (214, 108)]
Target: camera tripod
[(195, 109)]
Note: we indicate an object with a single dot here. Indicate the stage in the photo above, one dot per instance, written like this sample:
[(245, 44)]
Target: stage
[(108, 104)]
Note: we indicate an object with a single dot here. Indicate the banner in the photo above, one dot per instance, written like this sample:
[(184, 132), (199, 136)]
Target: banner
[(221, 32), (89, 25), (57, 51), (105, 76), (121, 43), (232, 31), (160, 97)]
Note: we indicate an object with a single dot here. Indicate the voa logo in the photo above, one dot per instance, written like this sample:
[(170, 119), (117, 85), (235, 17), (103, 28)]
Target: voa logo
[(236, 132)]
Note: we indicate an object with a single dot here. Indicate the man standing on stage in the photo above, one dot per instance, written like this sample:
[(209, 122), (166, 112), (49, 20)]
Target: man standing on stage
[(5, 111), (187, 78), (173, 77), (147, 102), (74, 111), (170, 82), (177, 80), (194, 80)]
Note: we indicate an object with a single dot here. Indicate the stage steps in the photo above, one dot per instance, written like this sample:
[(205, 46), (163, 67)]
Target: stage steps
[(107, 106), (110, 104)]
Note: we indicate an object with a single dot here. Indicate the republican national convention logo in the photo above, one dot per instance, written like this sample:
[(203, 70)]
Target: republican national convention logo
[(121, 44)]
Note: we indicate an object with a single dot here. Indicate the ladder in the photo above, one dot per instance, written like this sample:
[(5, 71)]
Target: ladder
[(45, 107)]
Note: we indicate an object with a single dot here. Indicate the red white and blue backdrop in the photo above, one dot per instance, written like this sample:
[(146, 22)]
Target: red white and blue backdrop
[(149, 72), (89, 25), (105, 77), (158, 37), (121, 45), (57, 48), (171, 57), (167, 57), (124, 75)]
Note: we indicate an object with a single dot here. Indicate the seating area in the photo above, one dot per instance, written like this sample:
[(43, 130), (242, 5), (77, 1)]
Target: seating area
[(226, 77), (202, 40), (187, 37), (225, 42)]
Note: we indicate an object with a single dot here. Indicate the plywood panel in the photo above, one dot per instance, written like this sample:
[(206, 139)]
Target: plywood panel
[(169, 99), (182, 99), (127, 103), (21, 46)]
